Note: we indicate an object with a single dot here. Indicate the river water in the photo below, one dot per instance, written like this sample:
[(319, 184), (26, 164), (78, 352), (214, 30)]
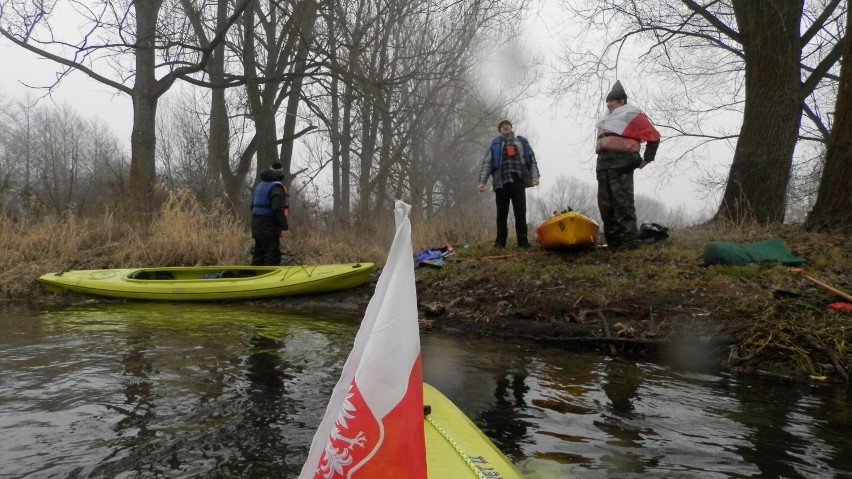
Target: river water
[(145, 390)]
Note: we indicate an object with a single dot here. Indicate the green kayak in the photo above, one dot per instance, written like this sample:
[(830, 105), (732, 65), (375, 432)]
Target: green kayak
[(210, 283)]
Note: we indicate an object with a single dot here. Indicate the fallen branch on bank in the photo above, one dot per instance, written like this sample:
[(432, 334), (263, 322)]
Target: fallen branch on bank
[(829, 353)]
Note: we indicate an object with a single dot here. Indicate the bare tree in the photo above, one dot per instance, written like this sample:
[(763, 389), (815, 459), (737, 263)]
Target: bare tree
[(743, 56), (183, 133), (273, 48), (760, 173), (218, 146), (105, 42), (402, 77), (53, 161), (566, 194), (17, 153)]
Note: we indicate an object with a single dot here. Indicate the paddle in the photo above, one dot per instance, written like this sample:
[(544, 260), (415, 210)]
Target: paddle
[(819, 283)]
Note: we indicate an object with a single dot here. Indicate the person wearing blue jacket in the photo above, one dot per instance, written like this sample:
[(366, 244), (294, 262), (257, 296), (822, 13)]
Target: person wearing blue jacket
[(511, 164), (269, 210)]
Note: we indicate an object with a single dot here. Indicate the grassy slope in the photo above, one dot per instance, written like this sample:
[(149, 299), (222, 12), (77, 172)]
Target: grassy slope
[(659, 299)]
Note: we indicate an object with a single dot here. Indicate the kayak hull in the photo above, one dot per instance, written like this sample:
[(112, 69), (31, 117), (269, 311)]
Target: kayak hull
[(209, 283), (456, 448), (567, 230)]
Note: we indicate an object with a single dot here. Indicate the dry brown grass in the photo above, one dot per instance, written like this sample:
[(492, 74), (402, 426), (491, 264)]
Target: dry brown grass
[(184, 233), (31, 248)]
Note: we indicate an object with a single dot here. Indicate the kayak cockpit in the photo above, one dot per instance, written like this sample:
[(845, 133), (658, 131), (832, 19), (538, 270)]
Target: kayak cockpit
[(176, 274)]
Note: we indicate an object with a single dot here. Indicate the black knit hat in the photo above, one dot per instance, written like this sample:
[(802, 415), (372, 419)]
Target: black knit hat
[(277, 171), (617, 92)]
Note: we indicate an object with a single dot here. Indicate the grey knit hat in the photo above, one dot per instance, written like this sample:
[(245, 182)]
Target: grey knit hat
[(617, 92)]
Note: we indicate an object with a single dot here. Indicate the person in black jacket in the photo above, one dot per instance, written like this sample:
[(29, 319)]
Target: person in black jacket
[(269, 211)]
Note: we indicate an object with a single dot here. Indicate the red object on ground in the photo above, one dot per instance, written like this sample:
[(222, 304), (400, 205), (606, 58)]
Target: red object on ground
[(846, 306)]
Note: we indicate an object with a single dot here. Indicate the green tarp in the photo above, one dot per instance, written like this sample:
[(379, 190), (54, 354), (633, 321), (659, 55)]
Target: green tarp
[(771, 250)]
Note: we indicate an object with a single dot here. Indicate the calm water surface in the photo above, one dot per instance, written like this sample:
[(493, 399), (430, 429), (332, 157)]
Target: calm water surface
[(145, 390)]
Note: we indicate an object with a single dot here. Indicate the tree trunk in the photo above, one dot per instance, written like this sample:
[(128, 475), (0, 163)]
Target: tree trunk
[(218, 144), (833, 208), (260, 96), (334, 138), (346, 155), (305, 18), (386, 155), (757, 184), (143, 138), (415, 181), (369, 138)]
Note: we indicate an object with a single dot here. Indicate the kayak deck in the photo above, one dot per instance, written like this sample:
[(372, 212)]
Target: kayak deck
[(455, 447)]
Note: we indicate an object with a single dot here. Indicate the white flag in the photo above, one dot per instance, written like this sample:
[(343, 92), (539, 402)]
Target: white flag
[(373, 426)]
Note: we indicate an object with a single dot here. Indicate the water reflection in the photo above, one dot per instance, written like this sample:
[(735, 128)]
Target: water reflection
[(590, 416), (786, 430), (160, 390), (137, 388), (620, 383), (504, 421), (186, 390)]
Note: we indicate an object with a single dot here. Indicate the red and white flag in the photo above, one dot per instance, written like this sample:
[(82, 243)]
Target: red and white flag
[(373, 426), (629, 121)]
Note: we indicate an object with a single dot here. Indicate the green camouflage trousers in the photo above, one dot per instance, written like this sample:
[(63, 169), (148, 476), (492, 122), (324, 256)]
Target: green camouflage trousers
[(615, 202)]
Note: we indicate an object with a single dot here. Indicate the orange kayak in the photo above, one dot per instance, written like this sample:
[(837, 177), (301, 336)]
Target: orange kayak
[(567, 230)]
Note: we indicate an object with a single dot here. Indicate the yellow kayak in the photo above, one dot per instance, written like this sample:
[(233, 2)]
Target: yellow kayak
[(210, 283), (567, 230), (455, 447)]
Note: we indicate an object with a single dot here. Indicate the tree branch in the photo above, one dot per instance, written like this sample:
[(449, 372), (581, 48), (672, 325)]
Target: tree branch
[(69, 63), (297, 135), (166, 82), (712, 20), (816, 120), (824, 66), (819, 22)]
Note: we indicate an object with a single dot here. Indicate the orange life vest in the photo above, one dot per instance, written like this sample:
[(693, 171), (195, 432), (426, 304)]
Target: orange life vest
[(609, 141)]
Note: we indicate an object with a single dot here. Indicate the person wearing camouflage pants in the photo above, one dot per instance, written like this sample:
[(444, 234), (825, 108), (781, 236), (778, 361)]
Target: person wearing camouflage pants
[(620, 134)]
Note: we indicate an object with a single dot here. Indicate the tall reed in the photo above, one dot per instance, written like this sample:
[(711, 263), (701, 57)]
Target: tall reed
[(185, 233)]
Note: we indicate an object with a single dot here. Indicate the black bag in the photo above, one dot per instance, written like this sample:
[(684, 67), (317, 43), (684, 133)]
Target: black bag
[(653, 233)]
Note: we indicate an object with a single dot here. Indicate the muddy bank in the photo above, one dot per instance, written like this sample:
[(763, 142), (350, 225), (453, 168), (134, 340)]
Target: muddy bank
[(658, 302)]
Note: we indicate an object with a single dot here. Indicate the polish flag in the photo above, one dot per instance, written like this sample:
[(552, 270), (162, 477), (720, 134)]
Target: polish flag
[(373, 426), (629, 121)]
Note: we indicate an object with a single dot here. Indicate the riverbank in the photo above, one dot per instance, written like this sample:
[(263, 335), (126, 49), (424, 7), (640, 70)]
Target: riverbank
[(657, 302)]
